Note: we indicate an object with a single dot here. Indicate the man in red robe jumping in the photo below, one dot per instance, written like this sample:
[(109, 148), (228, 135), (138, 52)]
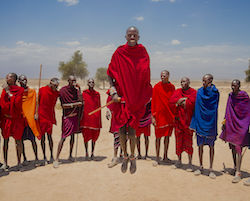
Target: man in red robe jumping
[(183, 100), (129, 77)]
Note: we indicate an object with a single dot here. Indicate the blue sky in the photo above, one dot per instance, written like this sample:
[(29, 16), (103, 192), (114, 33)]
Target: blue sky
[(186, 37)]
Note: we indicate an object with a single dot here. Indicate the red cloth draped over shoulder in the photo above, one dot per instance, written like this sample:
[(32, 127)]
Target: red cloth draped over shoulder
[(11, 112), (130, 68), (184, 114), (160, 108), (47, 102), (92, 101), (116, 110)]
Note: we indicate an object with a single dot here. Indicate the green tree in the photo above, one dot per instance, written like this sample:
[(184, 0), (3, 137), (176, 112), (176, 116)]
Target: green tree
[(101, 75), (76, 66), (248, 73)]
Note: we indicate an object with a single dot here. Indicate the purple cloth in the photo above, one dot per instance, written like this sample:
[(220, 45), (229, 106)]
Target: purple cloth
[(237, 120), (71, 116), (70, 125)]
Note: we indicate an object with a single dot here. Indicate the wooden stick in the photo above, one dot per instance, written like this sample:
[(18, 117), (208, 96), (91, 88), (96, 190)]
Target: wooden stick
[(98, 109), (37, 96)]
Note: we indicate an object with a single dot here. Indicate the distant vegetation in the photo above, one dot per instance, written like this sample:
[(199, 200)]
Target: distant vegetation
[(76, 66), (101, 75), (248, 73)]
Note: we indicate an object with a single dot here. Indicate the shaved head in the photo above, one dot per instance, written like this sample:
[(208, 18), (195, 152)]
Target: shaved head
[(185, 82), (132, 28), (207, 80)]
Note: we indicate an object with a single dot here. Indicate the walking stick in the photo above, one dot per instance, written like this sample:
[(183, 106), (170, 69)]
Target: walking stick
[(76, 147)]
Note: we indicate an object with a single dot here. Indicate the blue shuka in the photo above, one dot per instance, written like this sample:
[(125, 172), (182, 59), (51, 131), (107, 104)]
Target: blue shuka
[(204, 120)]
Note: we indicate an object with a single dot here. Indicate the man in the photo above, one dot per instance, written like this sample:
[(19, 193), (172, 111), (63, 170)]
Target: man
[(235, 129), (46, 114), (71, 102), (183, 100), (111, 113), (12, 121), (129, 77), (144, 128), (204, 120), (91, 123), (29, 107), (162, 115)]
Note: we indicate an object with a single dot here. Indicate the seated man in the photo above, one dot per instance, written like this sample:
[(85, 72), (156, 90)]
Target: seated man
[(91, 124), (235, 129), (204, 120)]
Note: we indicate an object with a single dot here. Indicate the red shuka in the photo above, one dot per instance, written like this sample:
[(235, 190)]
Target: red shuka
[(12, 123), (184, 114), (47, 102), (129, 67), (160, 108), (92, 101)]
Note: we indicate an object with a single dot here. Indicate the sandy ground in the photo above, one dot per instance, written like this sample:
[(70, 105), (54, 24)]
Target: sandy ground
[(94, 181)]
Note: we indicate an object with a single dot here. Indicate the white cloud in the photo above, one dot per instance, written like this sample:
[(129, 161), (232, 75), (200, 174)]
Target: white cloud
[(175, 42), (172, 1), (184, 25), (71, 43), (223, 61), (69, 2), (25, 58), (139, 18)]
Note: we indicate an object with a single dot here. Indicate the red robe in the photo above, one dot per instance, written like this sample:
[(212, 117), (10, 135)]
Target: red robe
[(129, 67), (46, 110), (184, 115), (160, 108), (12, 123), (92, 101)]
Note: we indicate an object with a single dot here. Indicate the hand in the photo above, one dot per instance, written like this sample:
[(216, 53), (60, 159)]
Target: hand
[(116, 98), (36, 116), (77, 86), (108, 115)]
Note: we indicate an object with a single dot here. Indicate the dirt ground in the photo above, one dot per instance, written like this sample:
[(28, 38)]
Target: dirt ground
[(94, 181)]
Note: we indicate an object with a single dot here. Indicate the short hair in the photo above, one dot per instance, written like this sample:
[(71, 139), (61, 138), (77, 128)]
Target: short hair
[(165, 72), (54, 80), (186, 78), (132, 27), (19, 77), (13, 75), (237, 81), (210, 76)]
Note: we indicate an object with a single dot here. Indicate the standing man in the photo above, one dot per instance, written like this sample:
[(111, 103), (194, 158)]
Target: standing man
[(113, 114), (129, 77), (30, 114), (12, 121), (235, 129), (183, 100), (144, 128), (46, 113), (91, 123), (162, 115), (71, 101), (204, 120)]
